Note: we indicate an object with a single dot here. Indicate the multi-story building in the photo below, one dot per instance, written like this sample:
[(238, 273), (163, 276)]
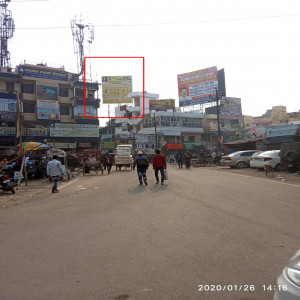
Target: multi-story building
[(51, 107)]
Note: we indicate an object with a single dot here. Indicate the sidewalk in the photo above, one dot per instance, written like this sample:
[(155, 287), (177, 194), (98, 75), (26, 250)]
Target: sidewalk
[(23, 193)]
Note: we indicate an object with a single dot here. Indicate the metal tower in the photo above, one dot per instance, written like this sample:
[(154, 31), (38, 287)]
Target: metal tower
[(7, 28), (79, 39)]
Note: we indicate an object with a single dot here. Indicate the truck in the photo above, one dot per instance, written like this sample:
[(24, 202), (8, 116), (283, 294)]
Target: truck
[(123, 157)]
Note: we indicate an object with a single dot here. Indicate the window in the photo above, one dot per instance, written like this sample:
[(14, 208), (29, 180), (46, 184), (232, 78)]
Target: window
[(27, 88), (29, 108), (64, 110), (10, 87), (234, 123), (79, 92), (63, 92)]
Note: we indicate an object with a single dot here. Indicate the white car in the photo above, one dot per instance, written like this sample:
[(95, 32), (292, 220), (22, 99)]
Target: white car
[(270, 158)]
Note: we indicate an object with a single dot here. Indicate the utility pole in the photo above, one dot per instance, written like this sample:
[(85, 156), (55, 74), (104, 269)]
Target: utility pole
[(218, 120), (155, 130)]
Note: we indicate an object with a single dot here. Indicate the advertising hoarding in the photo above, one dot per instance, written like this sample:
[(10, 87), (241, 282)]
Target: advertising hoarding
[(74, 130), (46, 91), (48, 110), (108, 145), (43, 73), (231, 109), (197, 87), (8, 131), (115, 89), (283, 130), (162, 104)]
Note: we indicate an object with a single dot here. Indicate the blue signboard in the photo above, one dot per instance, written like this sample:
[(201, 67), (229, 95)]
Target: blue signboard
[(283, 130), (43, 73)]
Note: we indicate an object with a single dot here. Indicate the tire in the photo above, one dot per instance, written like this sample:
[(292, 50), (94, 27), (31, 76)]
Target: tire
[(11, 189), (291, 156), (241, 165)]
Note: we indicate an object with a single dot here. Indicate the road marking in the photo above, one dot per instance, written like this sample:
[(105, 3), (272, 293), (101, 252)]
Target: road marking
[(262, 179), (68, 183)]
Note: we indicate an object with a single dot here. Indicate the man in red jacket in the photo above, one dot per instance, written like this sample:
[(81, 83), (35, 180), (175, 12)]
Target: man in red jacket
[(159, 164)]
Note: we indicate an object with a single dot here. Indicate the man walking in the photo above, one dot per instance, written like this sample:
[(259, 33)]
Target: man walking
[(54, 169), (159, 164), (179, 159), (142, 164), (109, 162)]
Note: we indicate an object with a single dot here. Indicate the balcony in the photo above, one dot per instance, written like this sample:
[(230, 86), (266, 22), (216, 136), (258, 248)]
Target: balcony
[(83, 120), (88, 102)]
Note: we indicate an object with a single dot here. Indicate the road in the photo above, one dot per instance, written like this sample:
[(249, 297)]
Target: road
[(105, 237)]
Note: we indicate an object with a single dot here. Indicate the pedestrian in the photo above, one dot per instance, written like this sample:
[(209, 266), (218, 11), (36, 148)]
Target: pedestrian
[(179, 159), (172, 159), (214, 155), (142, 164), (159, 164), (187, 160), (54, 170), (109, 162)]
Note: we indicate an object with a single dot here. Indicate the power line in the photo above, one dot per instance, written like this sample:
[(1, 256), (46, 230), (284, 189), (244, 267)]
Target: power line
[(164, 23)]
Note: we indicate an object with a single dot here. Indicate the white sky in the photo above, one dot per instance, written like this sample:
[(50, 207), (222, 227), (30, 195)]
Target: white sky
[(256, 42)]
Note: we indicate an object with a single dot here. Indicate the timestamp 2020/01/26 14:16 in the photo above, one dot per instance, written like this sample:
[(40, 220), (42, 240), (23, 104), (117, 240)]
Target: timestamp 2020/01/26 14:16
[(240, 287)]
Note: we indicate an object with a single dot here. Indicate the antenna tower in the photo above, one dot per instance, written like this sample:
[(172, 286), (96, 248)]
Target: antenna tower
[(78, 31), (7, 28)]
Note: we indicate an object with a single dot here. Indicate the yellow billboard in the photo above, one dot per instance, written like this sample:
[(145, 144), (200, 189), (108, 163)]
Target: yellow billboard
[(115, 89)]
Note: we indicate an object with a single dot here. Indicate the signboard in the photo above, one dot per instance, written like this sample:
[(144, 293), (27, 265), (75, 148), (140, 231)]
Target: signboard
[(8, 109), (7, 131), (108, 145), (174, 146), (231, 109), (162, 104), (188, 146), (115, 89), (46, 91), (43, 73), (84, 145), (283, 130), (74, 130), (7, 116), (197, 87), (48, 110), (62, 145)]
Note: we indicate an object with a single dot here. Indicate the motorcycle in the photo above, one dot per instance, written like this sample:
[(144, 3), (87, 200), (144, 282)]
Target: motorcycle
[(6, 184)]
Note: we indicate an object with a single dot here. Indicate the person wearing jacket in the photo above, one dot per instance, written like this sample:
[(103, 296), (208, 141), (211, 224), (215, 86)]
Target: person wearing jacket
[(159, 164), (142, 164), (54, 169)]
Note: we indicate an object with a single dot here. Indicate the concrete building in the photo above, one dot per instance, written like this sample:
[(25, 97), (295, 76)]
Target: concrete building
[(51, 107)]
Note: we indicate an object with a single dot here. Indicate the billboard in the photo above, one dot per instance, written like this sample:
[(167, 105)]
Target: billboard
[(46, 91), (163, 104), (231, 109), (43, 73), (197, 87), (74, 130), (115, 89), (48, 110)]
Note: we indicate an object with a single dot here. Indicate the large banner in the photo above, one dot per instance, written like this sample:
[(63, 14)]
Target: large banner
[(231, 109), (115, 89), (162, 104), (197, 87), (46, 91), (48, 110), (43, 73), (74, 130), (41, 132)]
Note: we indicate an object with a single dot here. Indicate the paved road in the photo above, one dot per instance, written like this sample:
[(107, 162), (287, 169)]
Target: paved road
[(105, 237)]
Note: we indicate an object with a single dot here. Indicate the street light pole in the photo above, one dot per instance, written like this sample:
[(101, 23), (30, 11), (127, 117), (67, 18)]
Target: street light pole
[(155, 130)]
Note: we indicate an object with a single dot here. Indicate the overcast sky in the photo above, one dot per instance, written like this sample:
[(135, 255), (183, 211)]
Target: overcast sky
[(256, 42)]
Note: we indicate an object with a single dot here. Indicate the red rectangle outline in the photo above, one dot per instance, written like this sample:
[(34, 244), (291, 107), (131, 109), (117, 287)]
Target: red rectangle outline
[(84, 87)]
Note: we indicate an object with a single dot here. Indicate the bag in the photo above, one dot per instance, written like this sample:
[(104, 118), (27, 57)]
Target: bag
[(166, 175)]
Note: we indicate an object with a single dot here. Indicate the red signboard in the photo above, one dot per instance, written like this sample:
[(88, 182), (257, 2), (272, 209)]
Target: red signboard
[(174, 146)]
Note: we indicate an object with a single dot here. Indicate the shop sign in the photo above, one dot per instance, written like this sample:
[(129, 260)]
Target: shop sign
[(108, 145), (188, 146), (62, 145), (174, 146), (85, 145)]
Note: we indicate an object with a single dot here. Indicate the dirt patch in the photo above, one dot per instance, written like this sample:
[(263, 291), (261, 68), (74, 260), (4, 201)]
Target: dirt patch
[(286, 177)]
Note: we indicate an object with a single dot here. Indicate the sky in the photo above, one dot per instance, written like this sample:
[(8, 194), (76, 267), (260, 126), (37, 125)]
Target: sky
[(256, 42)]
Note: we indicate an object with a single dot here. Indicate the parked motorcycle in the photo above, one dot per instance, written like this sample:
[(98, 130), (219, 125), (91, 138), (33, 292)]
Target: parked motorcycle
[(6, 184)]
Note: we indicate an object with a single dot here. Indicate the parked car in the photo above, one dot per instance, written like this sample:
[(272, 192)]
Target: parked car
[(288, 283), (270, 158), (239, 159)]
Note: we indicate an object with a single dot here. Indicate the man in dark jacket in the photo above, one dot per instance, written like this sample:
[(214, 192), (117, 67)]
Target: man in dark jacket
[(159, 164), (142, 164)]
